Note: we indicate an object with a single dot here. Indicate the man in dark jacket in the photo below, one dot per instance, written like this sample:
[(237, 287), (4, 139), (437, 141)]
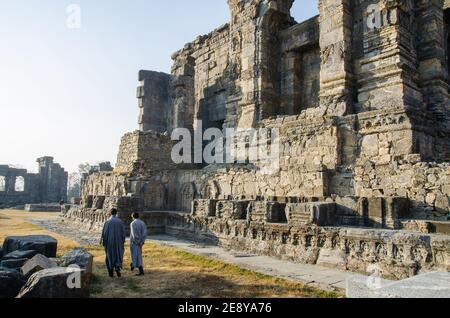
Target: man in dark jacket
[(113, 240)]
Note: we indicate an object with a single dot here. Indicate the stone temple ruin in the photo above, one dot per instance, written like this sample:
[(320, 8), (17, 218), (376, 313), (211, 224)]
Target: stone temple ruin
[(18, 187), (359, 95)]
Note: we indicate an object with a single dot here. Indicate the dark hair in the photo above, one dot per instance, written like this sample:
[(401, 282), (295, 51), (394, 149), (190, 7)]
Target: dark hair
[(135, 215), (113, 211)]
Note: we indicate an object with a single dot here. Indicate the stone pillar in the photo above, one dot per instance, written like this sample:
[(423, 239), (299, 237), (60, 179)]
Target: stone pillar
[(336, 77), (10, 183), (388, 69), (153, 96), (273, 16), (182, 89), (290, 86), (243, 58), (254, 50), (432, 57)]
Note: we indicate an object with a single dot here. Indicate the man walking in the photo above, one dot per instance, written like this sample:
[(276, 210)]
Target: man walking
[(113, 240), (138, 237)]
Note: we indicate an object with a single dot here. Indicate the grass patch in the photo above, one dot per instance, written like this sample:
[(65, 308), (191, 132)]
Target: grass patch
[(132, 285), (17, 223), (96, 284)]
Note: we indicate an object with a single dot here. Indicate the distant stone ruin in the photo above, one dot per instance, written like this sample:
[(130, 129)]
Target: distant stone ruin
[(18, 187), (359, 96)]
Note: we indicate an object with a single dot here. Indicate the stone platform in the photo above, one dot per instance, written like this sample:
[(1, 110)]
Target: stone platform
[(430, 285), (312, 275), (399, 253)]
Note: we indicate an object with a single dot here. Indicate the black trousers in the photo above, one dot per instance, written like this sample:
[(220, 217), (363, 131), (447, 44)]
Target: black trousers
[(108, 266)]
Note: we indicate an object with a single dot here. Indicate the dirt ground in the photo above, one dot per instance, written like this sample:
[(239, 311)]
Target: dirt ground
[(170, 273)]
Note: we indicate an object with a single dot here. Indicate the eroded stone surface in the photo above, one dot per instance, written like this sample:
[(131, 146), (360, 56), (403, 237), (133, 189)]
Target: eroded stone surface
[(431, 285), (11, 282), (53, 283), (42, 244), (37, 263), (20, 254), (79, 257), (16, 263)]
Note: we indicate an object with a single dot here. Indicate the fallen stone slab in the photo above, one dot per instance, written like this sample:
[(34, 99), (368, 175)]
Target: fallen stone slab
[(56, 207), (37, 263), (11, 282), (59, 282), (43, 244), (429, 285), (13, 263), (79, 257), (28, 254)]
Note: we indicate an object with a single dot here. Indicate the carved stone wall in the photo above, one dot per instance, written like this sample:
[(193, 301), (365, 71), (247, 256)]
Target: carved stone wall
[(359, 96)]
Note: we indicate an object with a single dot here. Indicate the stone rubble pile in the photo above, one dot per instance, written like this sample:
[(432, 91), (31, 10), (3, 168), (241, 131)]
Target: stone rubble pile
[(29, 269)]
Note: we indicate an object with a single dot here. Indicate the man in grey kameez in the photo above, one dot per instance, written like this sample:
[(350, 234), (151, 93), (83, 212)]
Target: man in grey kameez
[(138, 237), (113, 240)]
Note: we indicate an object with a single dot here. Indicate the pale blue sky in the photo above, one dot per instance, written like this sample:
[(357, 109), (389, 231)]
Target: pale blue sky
[(70, 93)]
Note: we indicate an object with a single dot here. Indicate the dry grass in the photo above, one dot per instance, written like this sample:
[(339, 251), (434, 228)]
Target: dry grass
[(13, 222), (170, 272)]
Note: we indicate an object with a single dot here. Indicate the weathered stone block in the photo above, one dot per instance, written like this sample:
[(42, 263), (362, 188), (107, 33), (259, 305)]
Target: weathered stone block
[(79, 257), (203, 207), (13, 263), (37, 263), (59, 282), (224, 209), (42, 244), (440, 227), (332, 258), (370, 146), (11, 282), (20, 255), (430, 285), (258, 211)]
